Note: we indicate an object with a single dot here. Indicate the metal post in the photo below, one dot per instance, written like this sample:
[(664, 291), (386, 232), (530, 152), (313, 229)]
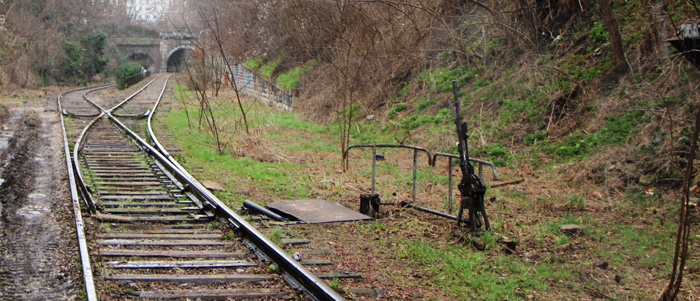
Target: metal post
[(374, 166), (415, 163), (449, 179)]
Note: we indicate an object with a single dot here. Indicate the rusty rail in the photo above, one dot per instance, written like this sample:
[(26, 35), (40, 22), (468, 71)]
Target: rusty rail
[(90, 290)]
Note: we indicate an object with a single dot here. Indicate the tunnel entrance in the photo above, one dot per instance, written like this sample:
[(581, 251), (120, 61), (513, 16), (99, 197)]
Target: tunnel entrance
[(143, 59), (176, 59)]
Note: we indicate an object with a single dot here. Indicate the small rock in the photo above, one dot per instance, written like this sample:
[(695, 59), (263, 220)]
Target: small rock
[(513, 245), (478, 244), (211, 185), (570, 229), (603, 265)]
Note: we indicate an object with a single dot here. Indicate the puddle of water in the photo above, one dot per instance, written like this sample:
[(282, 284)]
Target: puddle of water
[(32, 211), (4, 140), (36, 196)]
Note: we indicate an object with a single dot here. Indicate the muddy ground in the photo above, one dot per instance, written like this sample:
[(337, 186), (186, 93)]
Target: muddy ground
[(38, 253)]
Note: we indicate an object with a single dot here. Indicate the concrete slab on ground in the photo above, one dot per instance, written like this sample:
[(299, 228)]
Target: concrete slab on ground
[(316, 211)]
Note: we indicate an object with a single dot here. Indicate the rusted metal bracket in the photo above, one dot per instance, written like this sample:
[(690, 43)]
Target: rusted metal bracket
[(481, 173)]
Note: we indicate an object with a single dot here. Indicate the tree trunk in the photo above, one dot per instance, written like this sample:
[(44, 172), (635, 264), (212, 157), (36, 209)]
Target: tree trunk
[(618, 54)]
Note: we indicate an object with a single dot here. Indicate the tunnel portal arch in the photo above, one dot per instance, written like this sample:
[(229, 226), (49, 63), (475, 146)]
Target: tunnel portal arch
[(144, 59), (176, 57)]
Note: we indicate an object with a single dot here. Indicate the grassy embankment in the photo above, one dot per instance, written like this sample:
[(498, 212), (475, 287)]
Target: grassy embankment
[(288, 157)]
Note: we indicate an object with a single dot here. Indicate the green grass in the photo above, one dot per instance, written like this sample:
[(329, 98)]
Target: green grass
[(198, 151), (268, 68), (276, 236), (469, 274), (253, 62), (616, 130), (291, 78)]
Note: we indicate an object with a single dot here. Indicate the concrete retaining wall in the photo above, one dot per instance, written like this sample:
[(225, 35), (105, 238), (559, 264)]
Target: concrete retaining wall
[(251, 84)]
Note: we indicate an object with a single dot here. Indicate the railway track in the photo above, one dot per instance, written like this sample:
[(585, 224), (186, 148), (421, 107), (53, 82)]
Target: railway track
[(147, 228)]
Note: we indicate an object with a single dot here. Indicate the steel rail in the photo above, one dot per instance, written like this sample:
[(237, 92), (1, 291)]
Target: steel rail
[(79, 174), (87, 196), (90, 290), (77, 186), (314, 285)]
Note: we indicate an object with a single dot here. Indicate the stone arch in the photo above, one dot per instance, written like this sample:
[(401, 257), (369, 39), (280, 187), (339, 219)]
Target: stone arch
[(176, 56)]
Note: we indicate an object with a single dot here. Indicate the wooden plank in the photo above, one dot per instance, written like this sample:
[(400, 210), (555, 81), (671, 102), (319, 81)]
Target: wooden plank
[(125, 183), (295, 241), (185, 210), (157, 236), (367, 292), (330, 275), (135, 197), (152, 178), (163, 242), (174, 254), (163, 219), (164, 264), (170, 231), (207, 294), (120, 173), (316, 262), (308, 252), (117, 168), (166, 231), (157, 226), (105, 192), (139, 204), (198, 279), (109, 189)]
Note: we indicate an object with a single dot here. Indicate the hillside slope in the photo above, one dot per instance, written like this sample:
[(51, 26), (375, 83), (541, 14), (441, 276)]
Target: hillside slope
[(536, 78)]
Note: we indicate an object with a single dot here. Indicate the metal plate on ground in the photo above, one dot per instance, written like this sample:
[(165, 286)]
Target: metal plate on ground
[(316, 211)]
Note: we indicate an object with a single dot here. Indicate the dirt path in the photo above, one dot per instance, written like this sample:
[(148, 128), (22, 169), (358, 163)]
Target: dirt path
[(38, 257)]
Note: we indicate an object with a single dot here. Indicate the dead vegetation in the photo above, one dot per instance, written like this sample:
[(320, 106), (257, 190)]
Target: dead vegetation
[(586, 90)]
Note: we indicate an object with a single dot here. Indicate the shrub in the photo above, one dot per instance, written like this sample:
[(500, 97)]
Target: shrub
[(123, 72)]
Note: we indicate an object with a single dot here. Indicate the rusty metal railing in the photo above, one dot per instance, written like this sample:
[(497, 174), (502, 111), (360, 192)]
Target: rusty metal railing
[(374, 160), (432, 159)]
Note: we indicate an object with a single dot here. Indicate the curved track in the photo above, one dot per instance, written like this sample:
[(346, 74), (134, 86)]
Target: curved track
[(155, 232)]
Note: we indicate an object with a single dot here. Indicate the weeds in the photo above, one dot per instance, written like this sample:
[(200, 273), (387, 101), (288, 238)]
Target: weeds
[(276, 236), (615, 131)]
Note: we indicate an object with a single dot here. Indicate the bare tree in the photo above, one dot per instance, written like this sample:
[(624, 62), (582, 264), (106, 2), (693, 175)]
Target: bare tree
[(618, 53), (212, 23), (200, 77)]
